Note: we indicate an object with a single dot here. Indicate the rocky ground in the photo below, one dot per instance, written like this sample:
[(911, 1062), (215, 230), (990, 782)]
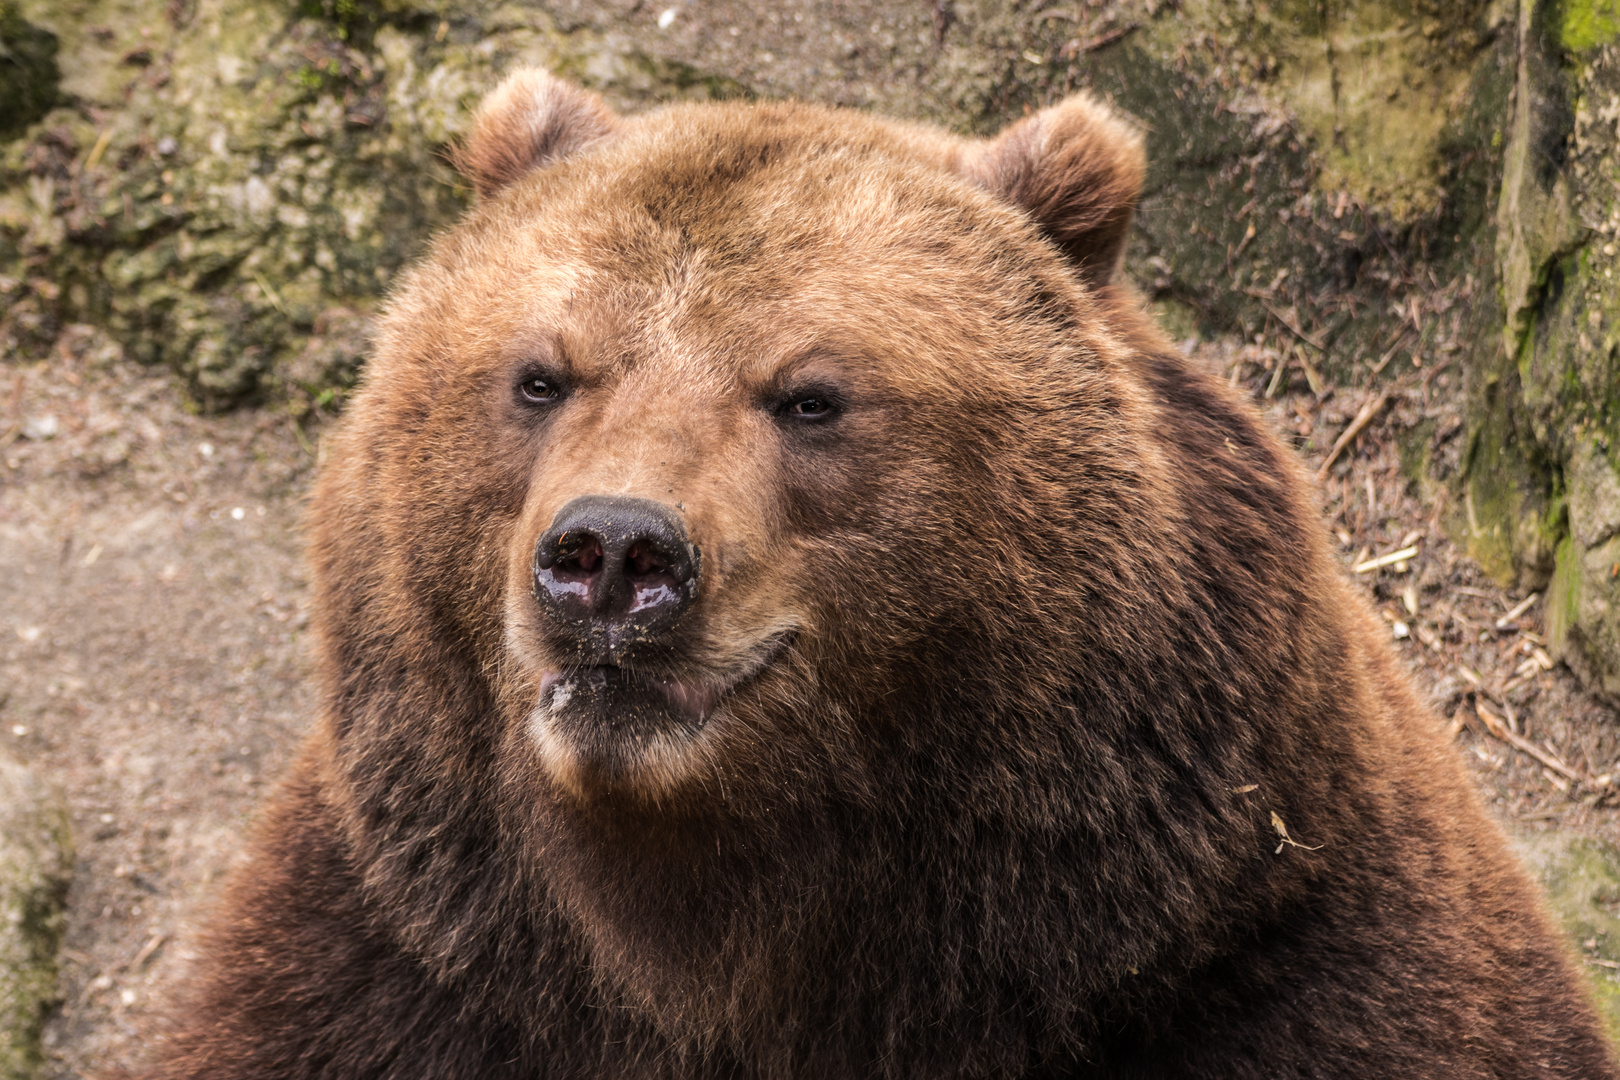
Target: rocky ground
[(151, 662), (153, 668)]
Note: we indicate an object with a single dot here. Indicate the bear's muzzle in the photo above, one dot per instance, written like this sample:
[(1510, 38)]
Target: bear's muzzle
[(613, 572)]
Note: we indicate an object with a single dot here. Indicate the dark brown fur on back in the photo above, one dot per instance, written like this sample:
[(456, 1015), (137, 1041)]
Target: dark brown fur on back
[(1004, 670)]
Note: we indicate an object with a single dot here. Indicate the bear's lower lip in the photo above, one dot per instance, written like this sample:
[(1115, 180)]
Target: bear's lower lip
[(690, 700), (604, 728)]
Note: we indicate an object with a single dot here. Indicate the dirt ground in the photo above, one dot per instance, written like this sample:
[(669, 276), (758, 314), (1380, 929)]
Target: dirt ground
[(153, 666)]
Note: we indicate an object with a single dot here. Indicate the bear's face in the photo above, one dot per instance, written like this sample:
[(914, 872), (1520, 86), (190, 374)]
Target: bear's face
[(741, 383), (752, 511)]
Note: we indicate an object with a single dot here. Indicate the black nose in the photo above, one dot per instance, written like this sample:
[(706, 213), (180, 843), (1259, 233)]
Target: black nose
[(615, 569)]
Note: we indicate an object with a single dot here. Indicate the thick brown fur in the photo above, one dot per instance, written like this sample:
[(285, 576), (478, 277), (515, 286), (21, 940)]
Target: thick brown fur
[(1009, 663)]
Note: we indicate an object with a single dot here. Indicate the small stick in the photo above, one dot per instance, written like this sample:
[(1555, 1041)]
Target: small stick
[(152, 945), (100, 148), (1077, 47), (1495, 725), (1518, 609), (1384, 360), (1393, 557), (1297, 332), (1363, 418)]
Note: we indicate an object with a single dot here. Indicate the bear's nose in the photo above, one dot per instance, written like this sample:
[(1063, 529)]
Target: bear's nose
[(616, 568)]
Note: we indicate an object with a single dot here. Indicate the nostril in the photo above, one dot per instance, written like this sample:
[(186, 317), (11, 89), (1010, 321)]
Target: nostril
[(578, 553), (644, 559)]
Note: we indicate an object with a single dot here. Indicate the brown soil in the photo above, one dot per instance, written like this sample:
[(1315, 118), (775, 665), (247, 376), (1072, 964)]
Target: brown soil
[(152, 615)]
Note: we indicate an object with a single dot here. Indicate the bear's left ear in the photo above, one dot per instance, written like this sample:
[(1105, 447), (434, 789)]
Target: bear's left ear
[(530, 121), (1077, 169)]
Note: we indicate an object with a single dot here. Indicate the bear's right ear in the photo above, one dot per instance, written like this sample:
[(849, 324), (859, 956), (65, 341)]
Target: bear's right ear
[(1077, 169), (528, 122)]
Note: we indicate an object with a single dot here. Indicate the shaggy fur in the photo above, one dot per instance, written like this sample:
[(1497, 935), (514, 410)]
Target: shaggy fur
[(1004, 668)]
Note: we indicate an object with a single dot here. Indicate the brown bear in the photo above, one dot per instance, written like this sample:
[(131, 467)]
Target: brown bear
[(784, 612)]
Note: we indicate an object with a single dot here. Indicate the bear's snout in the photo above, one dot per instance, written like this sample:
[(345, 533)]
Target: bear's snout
[(614, 570)]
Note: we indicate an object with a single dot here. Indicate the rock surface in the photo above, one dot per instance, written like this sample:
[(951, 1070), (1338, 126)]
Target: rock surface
[(1542, 494), (1582, 878), (35, 868), (230, 187)]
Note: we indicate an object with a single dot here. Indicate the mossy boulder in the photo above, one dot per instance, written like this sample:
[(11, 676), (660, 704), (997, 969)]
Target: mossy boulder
[(220, 181), (35, 868), (1543, 491)]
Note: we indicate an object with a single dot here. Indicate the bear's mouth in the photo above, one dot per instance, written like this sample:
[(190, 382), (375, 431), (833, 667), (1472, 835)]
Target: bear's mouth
[(608, 725), (688, 700)]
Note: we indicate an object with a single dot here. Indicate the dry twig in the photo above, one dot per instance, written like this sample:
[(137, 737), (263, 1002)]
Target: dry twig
[(1293, 327), (1505, 622), (1499, 730), (1363, 418), (1392, 558)]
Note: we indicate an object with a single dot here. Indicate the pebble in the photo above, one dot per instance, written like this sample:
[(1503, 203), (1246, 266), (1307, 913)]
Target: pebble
[(39, 428)]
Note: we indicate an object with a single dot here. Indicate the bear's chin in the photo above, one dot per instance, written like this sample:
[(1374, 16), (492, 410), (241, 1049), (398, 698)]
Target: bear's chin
[(601, 730)]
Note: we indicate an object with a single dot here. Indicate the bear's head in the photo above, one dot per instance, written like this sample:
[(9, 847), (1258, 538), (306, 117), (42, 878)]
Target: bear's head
[(753, 510), (733, 391)]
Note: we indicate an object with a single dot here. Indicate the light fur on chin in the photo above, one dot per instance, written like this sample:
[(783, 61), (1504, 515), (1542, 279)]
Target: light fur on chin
[(664, 763)]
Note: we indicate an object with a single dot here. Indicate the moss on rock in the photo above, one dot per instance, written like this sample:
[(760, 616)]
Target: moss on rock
[(1556, 407), (1587, 24), (1581, 877), (35, 867)]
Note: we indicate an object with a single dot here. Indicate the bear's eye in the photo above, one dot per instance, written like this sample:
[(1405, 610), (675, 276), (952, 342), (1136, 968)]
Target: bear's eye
[(539, 390), (807, 407)]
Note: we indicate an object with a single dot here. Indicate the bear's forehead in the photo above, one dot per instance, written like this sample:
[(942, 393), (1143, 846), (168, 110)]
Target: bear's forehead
[(769, 192), (737, 240)]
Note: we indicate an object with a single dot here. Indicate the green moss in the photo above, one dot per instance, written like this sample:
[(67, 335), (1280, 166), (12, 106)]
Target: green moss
[(1564, 594), (1507, 493), (1582, 879), (35, 861), (1376, 83), (1586, 24)]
